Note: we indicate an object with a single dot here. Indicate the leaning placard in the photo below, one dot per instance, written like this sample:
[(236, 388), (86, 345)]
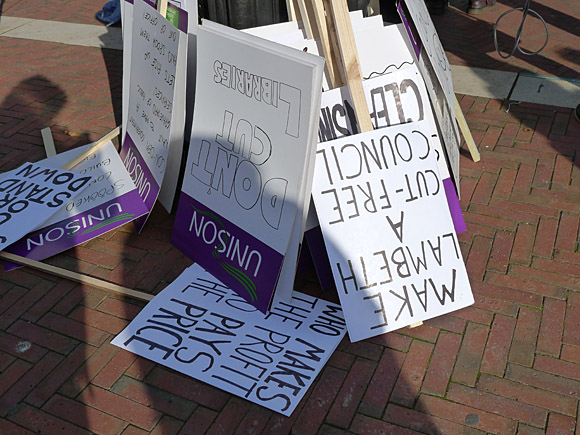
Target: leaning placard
[(436, 71), (388, 232), (199, 327), (109, 201), (153, 142), (432, 45), (30, 195), (253, 138)]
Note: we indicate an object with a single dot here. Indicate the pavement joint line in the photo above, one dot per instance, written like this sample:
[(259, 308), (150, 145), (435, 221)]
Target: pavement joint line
[(537, 76)]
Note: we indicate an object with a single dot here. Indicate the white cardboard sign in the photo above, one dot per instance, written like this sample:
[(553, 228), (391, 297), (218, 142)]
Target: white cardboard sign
[(153, 141), (388, 232), (432, 46), (201, 328), (108, 201), (30, 195), (249, 160), (445, 115), (434, 66)]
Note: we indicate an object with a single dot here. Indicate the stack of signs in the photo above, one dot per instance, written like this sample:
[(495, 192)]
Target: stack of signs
[(109, 201), (393, 250), (153, 143), (30, 195), (393, 98), (199, 327), (249, 170)]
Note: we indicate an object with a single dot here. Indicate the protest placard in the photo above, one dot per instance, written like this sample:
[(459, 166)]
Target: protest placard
[(109, 201), (242, 209), (31, 194), (153, 143), (436, 71), (199, 327), (394, 253), (432, 46)]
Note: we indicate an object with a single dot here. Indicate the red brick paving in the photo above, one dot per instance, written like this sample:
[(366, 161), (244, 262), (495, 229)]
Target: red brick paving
[(510, 364)]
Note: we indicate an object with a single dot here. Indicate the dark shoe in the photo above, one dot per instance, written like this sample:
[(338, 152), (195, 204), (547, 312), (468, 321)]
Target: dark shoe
[(478, 6), (577, 113)]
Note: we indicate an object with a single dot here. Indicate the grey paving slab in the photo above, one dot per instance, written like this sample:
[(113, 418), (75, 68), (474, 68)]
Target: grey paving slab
[(86, 35), (480, 82), (10, 23), (547, 90)]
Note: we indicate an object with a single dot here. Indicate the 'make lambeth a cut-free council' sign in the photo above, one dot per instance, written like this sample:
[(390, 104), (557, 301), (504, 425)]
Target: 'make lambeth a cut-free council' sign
[(388, 232), (30, 195), (201, 328)]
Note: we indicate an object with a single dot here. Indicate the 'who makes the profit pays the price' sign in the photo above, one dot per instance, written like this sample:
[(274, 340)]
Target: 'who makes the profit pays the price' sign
[(203, 329)]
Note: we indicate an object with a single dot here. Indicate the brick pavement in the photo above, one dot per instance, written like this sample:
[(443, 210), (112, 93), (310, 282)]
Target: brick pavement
[(509, 364)]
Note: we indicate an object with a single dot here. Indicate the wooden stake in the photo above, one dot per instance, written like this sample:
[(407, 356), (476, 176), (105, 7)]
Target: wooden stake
[(162, 7), (48, 142), (102, 141), (339, 73), (305, 20), (332, 65), (291, 10), (76, 277), (466, 132), (348, 51)]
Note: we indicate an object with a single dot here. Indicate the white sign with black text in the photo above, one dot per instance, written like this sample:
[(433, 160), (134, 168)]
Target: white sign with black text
[(31, 194), (388, 231), (201, 328)]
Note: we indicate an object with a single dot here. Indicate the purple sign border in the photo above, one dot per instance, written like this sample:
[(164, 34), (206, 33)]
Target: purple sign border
[(131, 207), (147, 175), (256, 290), (416, 45), (454, 206)]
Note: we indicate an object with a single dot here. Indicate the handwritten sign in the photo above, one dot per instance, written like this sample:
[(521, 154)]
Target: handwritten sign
[(253, 135), (201, 328), (445, 114), (436, 71), (394, 253), (108, 201), (151, 132), (31, 194)]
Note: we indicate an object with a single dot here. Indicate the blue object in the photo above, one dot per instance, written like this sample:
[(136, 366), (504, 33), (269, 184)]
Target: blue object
[(111, 12)]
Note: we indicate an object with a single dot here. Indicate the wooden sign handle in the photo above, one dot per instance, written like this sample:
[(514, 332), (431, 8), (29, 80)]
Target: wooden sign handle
[(162, 7), (320, 24), (466, 132), (339, 15), (291, 8), (96, 145), (48, 142), (76, 277), (306, 22)]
